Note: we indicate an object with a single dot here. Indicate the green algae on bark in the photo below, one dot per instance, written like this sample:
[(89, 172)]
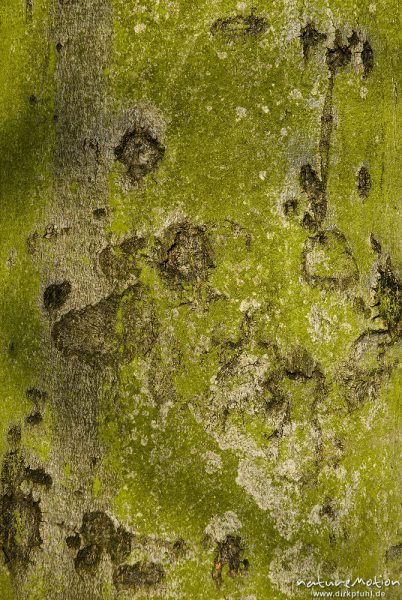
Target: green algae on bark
[(221, 282)]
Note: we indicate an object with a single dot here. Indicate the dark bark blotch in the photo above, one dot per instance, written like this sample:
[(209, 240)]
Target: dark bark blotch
[(139, 575), (310, 37), (229, 553), (363, 182), (188, 256), (56, 295), (140, 151), (240, 26), (367, 56)]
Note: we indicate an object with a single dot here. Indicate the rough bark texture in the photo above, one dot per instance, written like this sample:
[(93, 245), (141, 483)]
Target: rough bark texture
[(200, 297)]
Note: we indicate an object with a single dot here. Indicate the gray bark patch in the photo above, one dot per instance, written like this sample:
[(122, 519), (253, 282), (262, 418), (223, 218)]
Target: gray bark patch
[(393, 553)]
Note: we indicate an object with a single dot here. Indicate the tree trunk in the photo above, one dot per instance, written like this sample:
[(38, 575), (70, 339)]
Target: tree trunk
[(200, 298)]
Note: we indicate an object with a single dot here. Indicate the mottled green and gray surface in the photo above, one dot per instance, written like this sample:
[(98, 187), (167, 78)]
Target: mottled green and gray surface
[(200, 298)]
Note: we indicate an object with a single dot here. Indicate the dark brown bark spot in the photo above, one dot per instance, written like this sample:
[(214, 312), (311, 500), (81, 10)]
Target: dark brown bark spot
[(99, 533), (310, 37), (120, 545), (99, 213), (360, 307), (12, 349), (308, 222), (140, 151), (290, 207), (229, 553), (56, 295), (88, 558), (34, 418), (38, 476), (298, 363), (339, 56), (97, 528), (179, 548), (38, 397), (14, 435), (74, 541), (327, 510), (388, 295), (362, 375), (310, 182), (29, 10), (363, 182), (367, 58), (312, 185), (20, 514), (116, 328), (20, 519), (353, 39), (375, 244)]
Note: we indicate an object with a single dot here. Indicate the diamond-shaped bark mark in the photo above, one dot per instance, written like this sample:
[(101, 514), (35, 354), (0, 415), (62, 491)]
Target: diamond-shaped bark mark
[(140, 151)]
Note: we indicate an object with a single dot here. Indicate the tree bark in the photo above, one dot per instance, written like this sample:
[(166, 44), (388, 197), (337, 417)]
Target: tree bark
[(201, 298)]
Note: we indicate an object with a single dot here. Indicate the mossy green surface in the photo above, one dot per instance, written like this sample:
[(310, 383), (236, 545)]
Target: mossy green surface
[(26, 142), (242, 114)]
